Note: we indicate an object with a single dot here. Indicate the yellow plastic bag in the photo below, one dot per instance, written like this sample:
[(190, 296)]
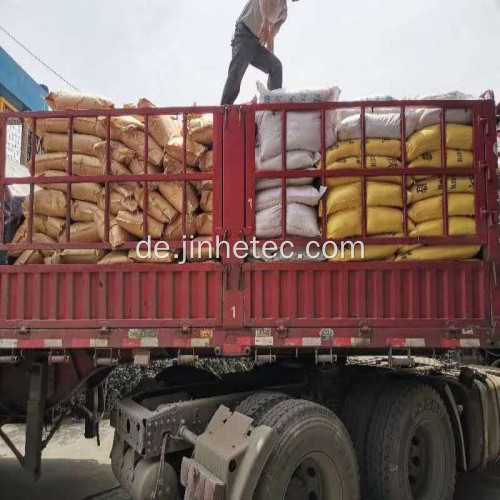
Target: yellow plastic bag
[(437, 252), (348, 162), (455, 158), (372, 252), (371, 162), (429, 139), (433, 186), (354, 162), (382, 162), (342, 181), (374, 147), (383, 147), (340, 150), (432, 208), (381, 194), (380, 220), (457, 226)]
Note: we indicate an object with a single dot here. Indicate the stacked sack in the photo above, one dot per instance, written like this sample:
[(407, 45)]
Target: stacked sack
[(303, 144), (127, 145), (426, 208), (384, 195), (49, 206), (199, 194)]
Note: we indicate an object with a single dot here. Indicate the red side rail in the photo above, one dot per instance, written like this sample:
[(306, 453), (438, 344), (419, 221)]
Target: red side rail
[(479, 170), (376, 305), (235, 307), (68, 306), (69, 179)]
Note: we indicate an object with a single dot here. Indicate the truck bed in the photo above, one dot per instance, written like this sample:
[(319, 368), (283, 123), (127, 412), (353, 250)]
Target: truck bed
[(433, 305), (233, 306)]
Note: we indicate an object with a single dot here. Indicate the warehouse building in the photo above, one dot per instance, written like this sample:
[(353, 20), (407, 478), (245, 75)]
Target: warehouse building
[(19, 92)]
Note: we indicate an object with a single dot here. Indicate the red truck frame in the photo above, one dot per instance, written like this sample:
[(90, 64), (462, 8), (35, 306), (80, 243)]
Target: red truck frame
[(233, 307)]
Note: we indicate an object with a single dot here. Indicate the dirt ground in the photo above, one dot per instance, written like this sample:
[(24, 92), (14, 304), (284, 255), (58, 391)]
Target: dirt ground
[(74, 468)]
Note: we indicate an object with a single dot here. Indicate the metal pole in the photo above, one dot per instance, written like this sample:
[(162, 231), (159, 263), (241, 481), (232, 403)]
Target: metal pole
[(34, 420)]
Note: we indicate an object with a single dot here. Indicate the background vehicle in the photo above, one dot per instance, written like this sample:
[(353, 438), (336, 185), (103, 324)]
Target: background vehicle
[(307, 410)]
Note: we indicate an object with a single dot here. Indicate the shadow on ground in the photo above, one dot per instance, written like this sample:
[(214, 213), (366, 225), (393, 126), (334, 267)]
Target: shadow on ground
[(74, 468), (479, 485), (62, 479), (66, 479)]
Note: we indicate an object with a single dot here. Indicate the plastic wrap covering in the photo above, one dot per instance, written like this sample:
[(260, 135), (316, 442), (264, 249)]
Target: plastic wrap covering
[(14, 198)]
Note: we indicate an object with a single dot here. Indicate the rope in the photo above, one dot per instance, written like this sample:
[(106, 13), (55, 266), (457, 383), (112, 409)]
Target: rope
[(31, 53), (159, 477), (97, 495)]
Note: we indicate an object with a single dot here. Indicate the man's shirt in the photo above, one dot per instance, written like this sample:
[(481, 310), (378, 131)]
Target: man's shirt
[(252, 14)]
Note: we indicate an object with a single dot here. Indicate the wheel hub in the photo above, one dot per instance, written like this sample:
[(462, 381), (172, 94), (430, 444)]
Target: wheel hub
[(420, 463), (313, 479)]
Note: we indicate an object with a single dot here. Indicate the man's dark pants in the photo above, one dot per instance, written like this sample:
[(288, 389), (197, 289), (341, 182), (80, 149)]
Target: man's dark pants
[(247, 49)]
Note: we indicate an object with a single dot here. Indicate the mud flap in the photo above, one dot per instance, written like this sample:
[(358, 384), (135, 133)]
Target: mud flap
[(228, 458)]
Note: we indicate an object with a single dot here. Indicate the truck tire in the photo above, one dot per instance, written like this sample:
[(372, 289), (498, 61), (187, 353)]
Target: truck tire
[(410, 450), (259, 403), (357, 411), (314, 458)]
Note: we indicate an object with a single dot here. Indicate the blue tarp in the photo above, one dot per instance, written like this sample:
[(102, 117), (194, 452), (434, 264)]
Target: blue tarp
[(18, 87)]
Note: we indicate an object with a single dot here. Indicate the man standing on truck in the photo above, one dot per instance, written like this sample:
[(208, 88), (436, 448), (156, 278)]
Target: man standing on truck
[(253, 43)]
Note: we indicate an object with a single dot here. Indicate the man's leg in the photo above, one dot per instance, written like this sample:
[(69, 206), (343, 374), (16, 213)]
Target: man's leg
[(267, 62), (243, 52)]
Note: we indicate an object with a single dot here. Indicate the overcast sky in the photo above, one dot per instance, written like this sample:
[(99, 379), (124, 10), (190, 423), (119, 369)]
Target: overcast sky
[(176, 52)]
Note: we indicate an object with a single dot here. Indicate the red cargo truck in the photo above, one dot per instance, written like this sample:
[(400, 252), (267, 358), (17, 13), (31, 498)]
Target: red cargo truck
[(315, 418)]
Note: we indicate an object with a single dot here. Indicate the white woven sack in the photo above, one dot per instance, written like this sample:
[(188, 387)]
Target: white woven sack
[(303, 132), (301, 220), (325, 94), (307, 195), (261, 184), (454, 95), (343, 113), (432, 116), (377, 126), (295, 160)]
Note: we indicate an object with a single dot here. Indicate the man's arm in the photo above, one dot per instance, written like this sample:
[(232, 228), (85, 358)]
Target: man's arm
[(275, 28), (265, 28), (273, 31)]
